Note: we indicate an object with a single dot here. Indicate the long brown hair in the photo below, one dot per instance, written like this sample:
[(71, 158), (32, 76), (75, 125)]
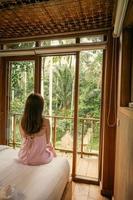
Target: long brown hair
[(32, 119)]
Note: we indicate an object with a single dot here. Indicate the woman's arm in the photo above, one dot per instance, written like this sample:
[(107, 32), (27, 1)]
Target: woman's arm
[(21, 131), (48, 137)]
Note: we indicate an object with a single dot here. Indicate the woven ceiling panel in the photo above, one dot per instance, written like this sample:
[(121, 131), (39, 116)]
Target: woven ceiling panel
[(25, 18)]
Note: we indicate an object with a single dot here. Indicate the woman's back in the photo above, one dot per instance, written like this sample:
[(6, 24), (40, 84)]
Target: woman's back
[(36, 148)]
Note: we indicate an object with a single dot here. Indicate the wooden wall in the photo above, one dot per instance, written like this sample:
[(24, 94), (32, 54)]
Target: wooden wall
[(126, 63), (123, 189), (123, 186)]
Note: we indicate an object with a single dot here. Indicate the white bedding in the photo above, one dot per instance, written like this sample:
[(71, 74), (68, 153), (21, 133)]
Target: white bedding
[(44, 182)]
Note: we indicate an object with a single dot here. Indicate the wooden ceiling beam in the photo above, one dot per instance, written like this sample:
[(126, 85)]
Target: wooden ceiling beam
[(54, 49)]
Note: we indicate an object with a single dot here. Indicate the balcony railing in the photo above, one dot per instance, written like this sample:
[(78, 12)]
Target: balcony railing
[(88, 134)]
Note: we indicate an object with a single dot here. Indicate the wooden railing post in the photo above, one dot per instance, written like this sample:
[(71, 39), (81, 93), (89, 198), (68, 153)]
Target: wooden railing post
[(54, 132), (92, 126), (82, 139), (14, 131)]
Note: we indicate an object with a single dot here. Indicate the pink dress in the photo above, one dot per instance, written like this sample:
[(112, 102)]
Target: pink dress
[(35, 150)]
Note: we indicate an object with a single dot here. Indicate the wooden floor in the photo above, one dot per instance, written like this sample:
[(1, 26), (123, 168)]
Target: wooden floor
[(86, 166), (86, 192)]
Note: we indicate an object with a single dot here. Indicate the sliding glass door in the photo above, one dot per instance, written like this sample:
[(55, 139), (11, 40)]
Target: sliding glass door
[(89, 112), (72, 103), (57, 88)]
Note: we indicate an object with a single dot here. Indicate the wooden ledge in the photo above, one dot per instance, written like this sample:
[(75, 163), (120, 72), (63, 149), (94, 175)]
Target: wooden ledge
[(126, 111)]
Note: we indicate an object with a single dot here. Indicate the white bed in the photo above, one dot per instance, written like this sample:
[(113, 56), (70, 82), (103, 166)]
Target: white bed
[(44, 182)]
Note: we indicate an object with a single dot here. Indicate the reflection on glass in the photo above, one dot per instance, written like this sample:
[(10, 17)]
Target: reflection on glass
[(91, 39), (58, 42)]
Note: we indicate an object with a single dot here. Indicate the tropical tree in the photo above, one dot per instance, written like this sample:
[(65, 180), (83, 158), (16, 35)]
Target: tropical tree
[(22, 84), (90, 83), (63, 79)]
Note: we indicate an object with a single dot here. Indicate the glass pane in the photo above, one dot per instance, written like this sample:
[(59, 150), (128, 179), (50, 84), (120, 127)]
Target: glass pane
[(57, 88), (91, 39), (21, 45), (89, 112), (21, 85), (57, 42)]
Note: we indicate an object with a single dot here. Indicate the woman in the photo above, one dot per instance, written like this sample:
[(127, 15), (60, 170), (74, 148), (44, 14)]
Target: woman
[(35, 130)]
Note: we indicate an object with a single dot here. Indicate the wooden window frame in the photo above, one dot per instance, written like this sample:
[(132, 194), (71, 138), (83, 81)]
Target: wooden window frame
[(37, 59), (126, 94)]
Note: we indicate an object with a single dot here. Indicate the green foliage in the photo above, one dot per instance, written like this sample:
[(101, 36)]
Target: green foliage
[(21, 45), (22, 82), (63, 126), (62, 84), (90, 83)]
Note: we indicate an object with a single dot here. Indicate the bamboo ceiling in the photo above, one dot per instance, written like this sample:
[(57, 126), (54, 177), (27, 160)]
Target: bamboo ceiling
[(26, 18)]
